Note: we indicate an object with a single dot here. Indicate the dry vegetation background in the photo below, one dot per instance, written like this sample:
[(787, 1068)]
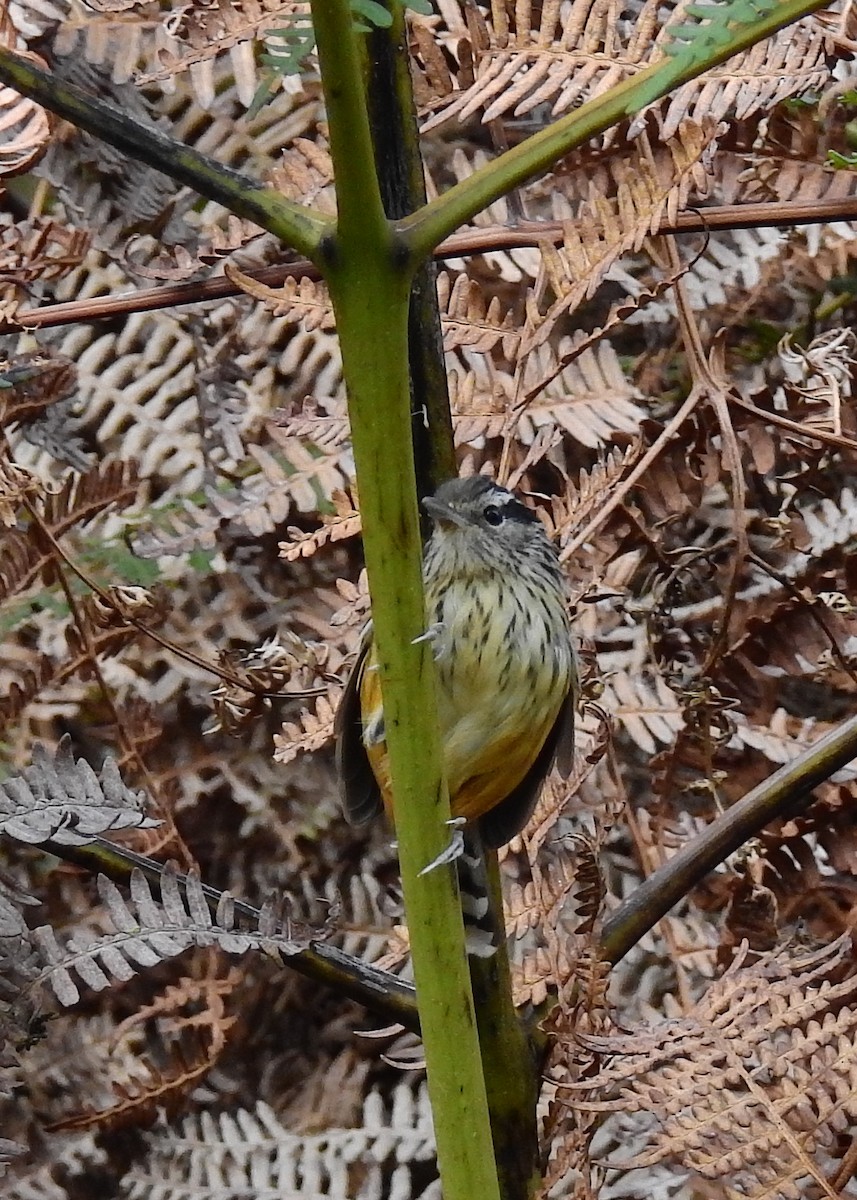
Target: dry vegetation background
[(187, 471)]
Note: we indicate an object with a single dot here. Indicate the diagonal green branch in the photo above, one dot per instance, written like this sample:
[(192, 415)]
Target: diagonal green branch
[(785, 793), (297, 225), (426, 229)]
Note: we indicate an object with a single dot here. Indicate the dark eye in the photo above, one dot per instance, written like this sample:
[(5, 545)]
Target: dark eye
[(493, 515)]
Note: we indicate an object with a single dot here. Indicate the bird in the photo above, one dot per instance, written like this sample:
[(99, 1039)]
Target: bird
[(498, 622)]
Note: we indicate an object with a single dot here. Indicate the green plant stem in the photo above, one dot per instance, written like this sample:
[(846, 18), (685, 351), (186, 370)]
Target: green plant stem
[(427, 228), (379, 991), (370, 283), (297, 225), (785, 793), (507, 1061)]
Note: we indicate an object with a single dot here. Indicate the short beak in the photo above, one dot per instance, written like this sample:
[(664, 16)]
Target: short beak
[(442, 513)]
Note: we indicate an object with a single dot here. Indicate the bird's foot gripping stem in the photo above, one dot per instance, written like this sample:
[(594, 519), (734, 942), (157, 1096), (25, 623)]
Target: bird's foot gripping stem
[(453, 850), (432, 635)]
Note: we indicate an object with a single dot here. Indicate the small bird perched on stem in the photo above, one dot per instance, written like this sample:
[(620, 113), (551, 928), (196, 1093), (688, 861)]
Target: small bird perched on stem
[(506, 671)]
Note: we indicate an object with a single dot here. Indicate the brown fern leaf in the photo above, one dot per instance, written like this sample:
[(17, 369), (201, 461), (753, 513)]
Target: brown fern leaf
[(28, 129), (31, 382), (260, 504), (196, 996), (20, 693), (592, 399), (561, 55), (84, 649), (571, 512), (142, 725), (650, 186), (22, 561), (305, 174), (302, 545), (282, 664), (646, 708), (314, 731), (572, 904), (117, 42), (18, 488), (547, 56), (83, 497), (35, 250), (571, 348), (791, 63), (750, 1088), (533, 978), (788, 162), (102, 629), (205, 31), (217, 240), (41, 249), (26, 126), (172, 1075), (301, 302), (312, 423), (178, 532), (753, 914), (470, 319)]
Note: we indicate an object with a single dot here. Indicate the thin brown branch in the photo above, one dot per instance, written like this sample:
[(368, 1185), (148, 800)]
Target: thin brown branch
[(806, 434), (784, 214), (657, 448), (714, 389)]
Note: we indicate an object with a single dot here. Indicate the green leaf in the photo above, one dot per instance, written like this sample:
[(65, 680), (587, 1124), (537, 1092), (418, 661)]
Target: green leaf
[(201, 560), (375, 14), (693, 42), (841, 162)]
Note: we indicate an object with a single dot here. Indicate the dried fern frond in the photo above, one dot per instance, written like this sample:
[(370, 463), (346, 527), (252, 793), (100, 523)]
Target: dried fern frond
[(470, 318), (34, 1178), (765, 1058), (304, 174), (282, 664), (38, 249), (314, 731), (591, 399), (646, 708), (592, 489), (29, 383), (97, 1073), (299, 301), (149, 931), (625, 205), (83, 497), (26, 126), (390, 1154), (554, 57), (345, 524), (202, 32), (64, 800)]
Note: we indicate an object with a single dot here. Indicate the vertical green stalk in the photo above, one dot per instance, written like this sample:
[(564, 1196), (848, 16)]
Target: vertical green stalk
[(370, 282), (507, 1061)]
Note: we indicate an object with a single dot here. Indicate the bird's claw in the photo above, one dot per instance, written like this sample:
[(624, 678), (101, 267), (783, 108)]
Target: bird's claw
[(432, 634), (453, 851)]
